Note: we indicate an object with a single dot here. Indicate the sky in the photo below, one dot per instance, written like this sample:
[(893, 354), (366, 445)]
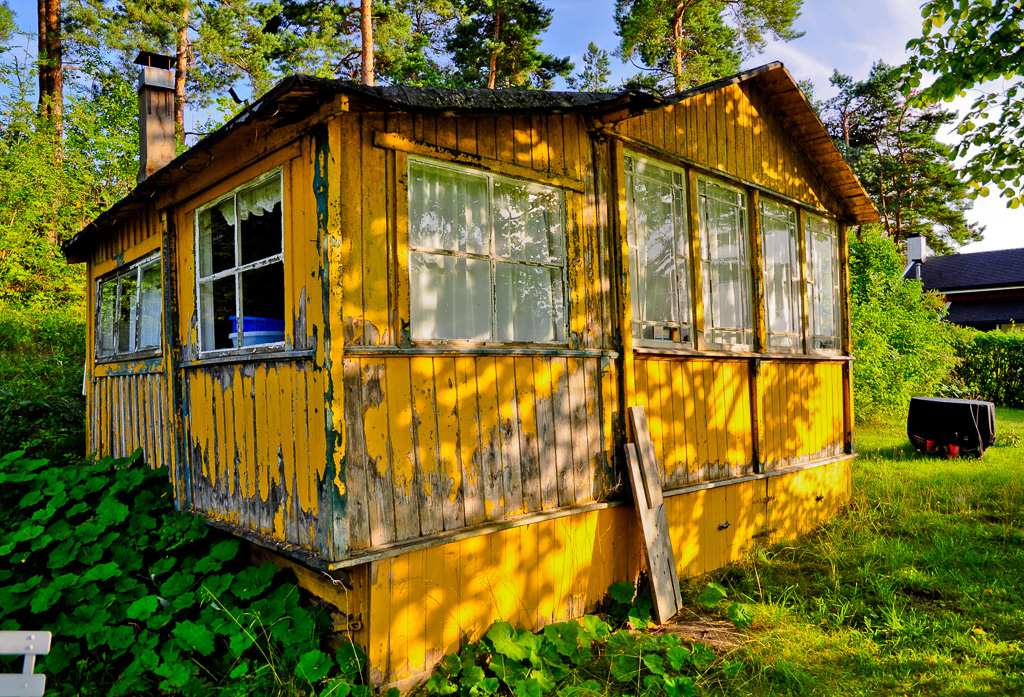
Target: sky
[(838, 34)]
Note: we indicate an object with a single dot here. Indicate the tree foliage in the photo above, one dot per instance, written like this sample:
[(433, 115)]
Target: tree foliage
[(497, 45), (891, 142), (595, 73), (902, 347), (681, 43), (970, 44)]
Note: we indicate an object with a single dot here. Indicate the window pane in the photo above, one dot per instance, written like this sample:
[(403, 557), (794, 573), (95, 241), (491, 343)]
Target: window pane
[(450, 297), (217, 299), (781, 273), (448, 210), (262, 305), (823, 282), (528, 303), (727, 310), (150, 302), (217, 238), (259, 215), (105, 332), (657, 239), (126, 315), (527, 222)]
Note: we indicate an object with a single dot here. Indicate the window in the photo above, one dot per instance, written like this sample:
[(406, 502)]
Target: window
[(725, 263), (486, 257), (128, 312), (659, 267), (823, 281), (240, 243), (781, 275)]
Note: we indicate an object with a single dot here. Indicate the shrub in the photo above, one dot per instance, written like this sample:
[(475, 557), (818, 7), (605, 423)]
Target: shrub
[(143, 599), (42, 358), (901, 346), (992, 366)]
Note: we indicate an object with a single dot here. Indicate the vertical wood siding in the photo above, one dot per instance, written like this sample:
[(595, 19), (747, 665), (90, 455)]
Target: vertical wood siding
[(698, 412), (802, 403), (130, 410), (423, 605), (440, 442), (735, 130), (256, 447)]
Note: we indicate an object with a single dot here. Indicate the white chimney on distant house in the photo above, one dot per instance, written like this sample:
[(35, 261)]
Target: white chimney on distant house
[(156, 112), (917, 250)]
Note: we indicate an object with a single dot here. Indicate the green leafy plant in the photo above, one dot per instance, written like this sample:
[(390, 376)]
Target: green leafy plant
[(588, 657), (740, 614), (144, 599)]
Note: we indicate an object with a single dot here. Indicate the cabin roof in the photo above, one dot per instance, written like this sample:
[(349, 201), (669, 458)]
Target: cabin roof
[(976, 270), (296, 97)]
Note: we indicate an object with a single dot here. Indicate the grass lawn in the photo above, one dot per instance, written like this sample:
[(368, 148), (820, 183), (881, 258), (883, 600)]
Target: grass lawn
[(916, 589)]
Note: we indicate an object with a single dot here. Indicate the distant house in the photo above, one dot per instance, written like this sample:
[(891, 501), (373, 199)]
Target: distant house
[(985, 290)]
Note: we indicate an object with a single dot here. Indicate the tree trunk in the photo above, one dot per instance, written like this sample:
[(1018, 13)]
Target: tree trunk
[(492, 77), (180, 77), (51, 59), (677, 60), (366, 26)]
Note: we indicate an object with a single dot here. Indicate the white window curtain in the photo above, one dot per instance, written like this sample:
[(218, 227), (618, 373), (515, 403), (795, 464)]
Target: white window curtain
[(783, 315), (726, 264), (823, 282), (658, 254), (486, 257)]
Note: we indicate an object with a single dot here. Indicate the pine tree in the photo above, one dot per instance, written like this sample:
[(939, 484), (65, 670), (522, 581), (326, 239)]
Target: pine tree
[(594, 76), (688, 42), (891, 144), (498, 45)]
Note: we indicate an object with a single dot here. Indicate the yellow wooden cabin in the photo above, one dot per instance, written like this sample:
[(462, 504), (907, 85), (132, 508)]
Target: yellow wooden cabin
[(390, 334)]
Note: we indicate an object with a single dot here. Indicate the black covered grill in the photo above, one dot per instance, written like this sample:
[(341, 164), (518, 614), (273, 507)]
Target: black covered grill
[(951, 427)]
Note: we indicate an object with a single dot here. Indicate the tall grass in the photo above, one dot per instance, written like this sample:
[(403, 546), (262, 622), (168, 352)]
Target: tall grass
[(916, 589)]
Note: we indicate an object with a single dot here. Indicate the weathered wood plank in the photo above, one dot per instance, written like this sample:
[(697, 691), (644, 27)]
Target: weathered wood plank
[(650, 510), (450, 463), (403, 452), (509, 425), (491, 460), (357, 483), (470, 451), (536, 373), (429, 482)]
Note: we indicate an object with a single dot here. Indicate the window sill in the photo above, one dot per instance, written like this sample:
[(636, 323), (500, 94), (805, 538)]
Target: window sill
[(129, 357), (253, 355), (714, 353), (474, 349)]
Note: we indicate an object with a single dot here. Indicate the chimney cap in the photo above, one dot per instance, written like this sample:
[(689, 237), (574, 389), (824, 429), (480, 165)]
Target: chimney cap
[(153, 60)]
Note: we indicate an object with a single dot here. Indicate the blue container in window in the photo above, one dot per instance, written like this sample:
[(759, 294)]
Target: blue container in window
[(257, 324), (258, 330)]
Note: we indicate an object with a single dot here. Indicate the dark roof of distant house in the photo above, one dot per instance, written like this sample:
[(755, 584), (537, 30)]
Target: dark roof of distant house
[(987, 311), (296, 97), (976, 270)]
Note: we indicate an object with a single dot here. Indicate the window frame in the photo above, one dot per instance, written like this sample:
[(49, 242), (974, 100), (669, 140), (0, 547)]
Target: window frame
[(837, 286), (682, 233), (492, 257), (238, 268), (747, 272), (135, 268), (797, 336)]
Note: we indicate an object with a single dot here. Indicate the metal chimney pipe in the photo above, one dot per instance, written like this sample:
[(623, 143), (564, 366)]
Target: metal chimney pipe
[(156, 113)]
